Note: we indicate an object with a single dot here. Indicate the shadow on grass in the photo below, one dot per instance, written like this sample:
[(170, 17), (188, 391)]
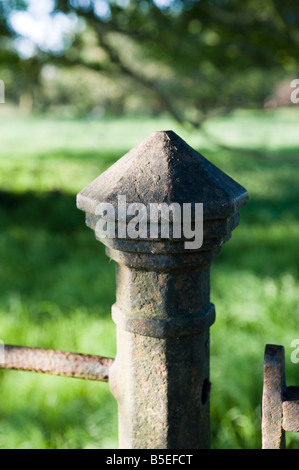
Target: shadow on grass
[(53, 211), (288, 156), (46, 230), (47, 252)]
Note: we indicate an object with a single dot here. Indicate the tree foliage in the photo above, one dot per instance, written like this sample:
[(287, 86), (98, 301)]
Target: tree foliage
[(190, 57)]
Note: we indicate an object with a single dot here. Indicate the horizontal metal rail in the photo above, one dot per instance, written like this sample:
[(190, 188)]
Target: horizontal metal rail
[(290, 409), (50, 361)]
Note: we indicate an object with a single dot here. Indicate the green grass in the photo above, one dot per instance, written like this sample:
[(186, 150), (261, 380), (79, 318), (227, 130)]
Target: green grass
[(57, 286)]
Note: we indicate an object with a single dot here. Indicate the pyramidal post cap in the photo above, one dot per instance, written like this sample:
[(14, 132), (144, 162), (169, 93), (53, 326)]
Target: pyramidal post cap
[(163, 168)]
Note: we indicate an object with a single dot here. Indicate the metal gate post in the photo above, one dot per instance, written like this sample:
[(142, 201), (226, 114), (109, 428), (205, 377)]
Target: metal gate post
[(160, 377)]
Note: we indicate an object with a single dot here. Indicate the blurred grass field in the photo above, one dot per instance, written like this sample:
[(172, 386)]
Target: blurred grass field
[(57, 286)]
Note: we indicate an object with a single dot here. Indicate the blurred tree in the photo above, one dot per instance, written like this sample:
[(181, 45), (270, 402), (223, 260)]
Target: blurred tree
[(5, 10), (22, 76), (191, 57)]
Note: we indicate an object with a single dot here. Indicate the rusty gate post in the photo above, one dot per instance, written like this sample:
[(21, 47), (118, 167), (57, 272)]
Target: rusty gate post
[(160, 377), (274, 387)]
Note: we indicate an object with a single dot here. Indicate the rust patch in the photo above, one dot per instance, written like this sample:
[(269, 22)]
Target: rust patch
[(49, 361)]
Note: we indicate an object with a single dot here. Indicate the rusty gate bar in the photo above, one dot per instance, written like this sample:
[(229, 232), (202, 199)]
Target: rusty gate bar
[(273, 435), (280, 404), (49, 361), (160, 377)]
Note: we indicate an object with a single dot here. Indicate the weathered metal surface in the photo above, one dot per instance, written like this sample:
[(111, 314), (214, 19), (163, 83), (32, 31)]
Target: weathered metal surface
[(280, 405), (290, 409), (164, 168), (49, 361), (160, 377), (273, 435)]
